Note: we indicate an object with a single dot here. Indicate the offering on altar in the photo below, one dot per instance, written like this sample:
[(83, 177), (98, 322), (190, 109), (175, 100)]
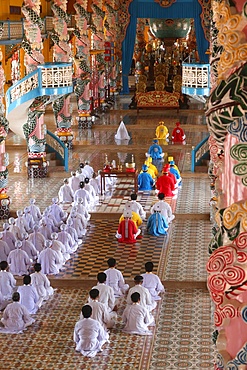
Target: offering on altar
[(130, 167)]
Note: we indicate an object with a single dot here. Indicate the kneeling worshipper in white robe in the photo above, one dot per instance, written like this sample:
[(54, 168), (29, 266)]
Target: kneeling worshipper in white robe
[(34, 210), (29, 219), (145, 297), (37, 239), (106, 293), (16, 317), (64, 237), (21, 222), (152, 282), (79, 207), (89, 335), (163, 207), (74, 182), (49, 260), (115, 279), (136, 317), (94, 199), (8, 236), (18, 260), (57, 212), (28, 295), (72, 231), (100, 313), (7, 281), (78, 223), (14, 229), (3, 302), (42, 284), (65, 193), (29, 248), (58, 247), (135, 206), (4, 249), (45, 229)]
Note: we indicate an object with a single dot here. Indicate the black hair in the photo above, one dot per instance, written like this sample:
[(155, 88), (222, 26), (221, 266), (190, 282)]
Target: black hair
[(135, 297), (16, 297), (101, 277), (37, 267), (82, 184), (26, 279), (111, 262), (138, 278), (161, 196), (3, 265), (94, 293), (86, 180), (149, 266), (86, 311), (133, 196)]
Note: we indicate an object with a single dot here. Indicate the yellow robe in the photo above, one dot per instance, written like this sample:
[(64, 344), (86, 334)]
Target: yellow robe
[(135, 218), (161, 132)]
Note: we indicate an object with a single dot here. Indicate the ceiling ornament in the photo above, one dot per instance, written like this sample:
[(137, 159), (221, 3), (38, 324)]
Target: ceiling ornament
[(165, 3)]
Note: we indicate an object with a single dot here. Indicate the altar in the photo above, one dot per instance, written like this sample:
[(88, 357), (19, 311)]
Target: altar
[(119, 174)]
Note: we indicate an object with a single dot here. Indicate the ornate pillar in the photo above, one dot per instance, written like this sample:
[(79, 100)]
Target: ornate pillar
[(226, 116), (62, 53), (82, 63), (4, 157), (32, 45)]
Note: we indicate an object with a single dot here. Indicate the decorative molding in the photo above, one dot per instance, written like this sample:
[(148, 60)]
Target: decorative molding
[(165, 3)]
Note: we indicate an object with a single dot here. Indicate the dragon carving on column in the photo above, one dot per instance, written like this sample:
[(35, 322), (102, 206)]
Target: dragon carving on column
[(62, 53), (226, 117), (32, 45)]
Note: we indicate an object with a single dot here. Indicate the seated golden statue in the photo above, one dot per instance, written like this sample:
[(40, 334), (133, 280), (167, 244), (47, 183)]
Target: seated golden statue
[(161, 78), (142, 78), (141, 87), (159, 86)]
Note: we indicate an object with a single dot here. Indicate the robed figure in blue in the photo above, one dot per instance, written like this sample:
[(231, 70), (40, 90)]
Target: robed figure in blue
[(157, 224)]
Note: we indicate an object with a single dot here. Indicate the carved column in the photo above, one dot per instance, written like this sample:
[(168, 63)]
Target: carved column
[(82, 63), (4, 157), (32, 45), (62, 53)]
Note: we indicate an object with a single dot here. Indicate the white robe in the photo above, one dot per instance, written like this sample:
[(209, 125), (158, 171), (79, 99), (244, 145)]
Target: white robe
[(165, 210), (49, 262), (89, 169), (136, 320), (145, 297), (116, 281), (65, 238), (153, 284), (4, 250), (82, 193), (65, 194), (16, 318), (30, 249), (106, 295), (29, 298), (10, 239), (19, 262), (96, 185), (57, 212), (21, 222), (35, 212), (101, 314), (42, 284), (38, 240), (74, 183), (7, 284), (89, 337), (136, 207)]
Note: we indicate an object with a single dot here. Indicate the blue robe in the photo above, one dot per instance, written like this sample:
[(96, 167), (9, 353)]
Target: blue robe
[(157, 224), (155, 151), (145, 181), (175, 173)]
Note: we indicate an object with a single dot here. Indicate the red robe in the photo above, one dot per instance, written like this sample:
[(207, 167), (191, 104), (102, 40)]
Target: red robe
[(165, 185), (127, 228), (178, 135)]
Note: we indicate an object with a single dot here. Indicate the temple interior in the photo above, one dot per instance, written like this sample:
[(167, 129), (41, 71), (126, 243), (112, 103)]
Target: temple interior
[(71, 73)]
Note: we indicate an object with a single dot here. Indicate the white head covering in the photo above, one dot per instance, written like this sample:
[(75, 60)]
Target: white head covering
[(48, 243), (69, 222), (127, 214), (54, 200), (36, 227), (62, 227), (11, 220), (18, 244), (26, 209), (32, 201), (54, 236), (19, 212)]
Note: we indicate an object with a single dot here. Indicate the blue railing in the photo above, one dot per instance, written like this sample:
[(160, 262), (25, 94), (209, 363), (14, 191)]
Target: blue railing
[(56, 146), (198, 152), (196, 79), (47, 79)]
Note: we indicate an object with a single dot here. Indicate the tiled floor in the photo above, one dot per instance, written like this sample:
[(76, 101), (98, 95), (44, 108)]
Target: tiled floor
[(182, 336)]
